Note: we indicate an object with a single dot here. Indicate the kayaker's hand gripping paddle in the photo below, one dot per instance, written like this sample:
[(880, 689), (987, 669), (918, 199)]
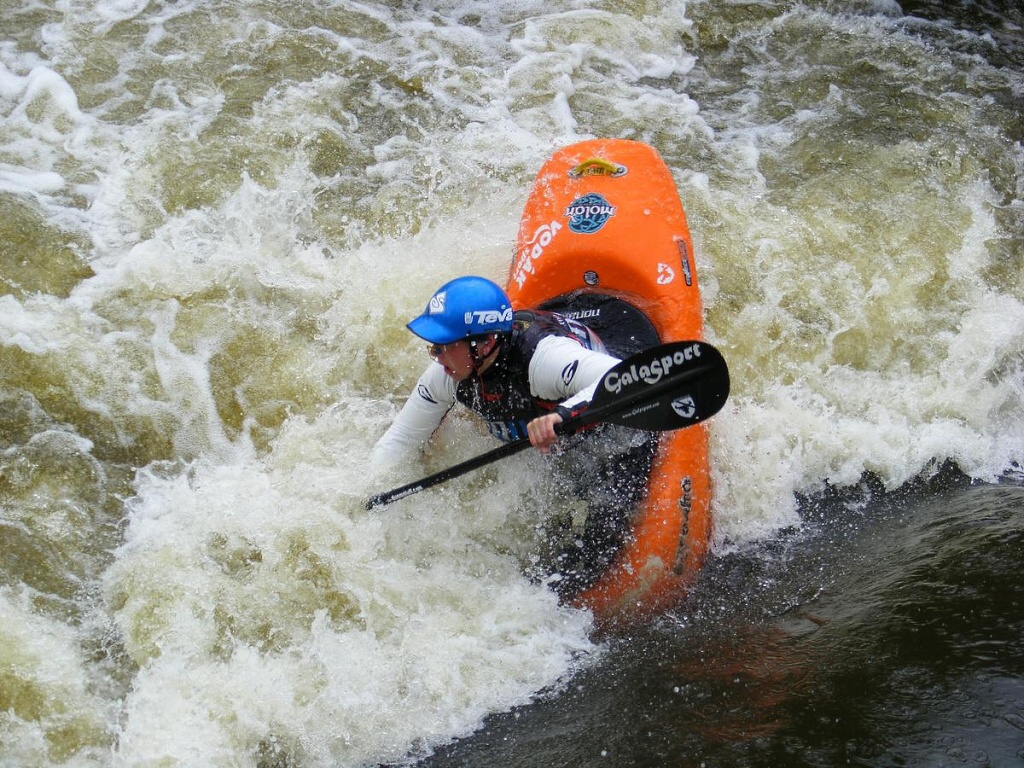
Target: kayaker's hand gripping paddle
[(671, 386)]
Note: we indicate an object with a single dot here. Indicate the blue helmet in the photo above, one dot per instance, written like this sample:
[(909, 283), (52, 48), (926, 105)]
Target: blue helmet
[(462, 308)]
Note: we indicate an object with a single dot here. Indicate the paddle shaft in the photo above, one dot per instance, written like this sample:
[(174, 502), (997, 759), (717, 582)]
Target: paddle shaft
[(605, 412)]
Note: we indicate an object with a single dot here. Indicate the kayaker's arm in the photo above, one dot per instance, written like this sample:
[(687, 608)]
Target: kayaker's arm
[(430, 401), (563, 369)]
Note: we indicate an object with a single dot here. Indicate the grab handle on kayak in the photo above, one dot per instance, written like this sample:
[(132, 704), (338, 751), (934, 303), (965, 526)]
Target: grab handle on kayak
[(597, 166)]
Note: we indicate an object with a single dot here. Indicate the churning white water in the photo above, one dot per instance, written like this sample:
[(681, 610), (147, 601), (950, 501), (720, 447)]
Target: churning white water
[(215, 220)]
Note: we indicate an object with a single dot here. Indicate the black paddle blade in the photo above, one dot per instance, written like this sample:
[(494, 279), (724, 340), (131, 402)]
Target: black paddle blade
[(671, 386)]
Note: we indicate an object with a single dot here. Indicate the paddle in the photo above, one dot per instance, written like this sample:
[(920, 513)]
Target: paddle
[(670, 386)]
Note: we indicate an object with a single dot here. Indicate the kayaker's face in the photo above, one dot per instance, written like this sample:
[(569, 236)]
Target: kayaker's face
[(455, 357)]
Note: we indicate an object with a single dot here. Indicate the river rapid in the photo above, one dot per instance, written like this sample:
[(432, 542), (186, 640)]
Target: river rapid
[(215, 219)]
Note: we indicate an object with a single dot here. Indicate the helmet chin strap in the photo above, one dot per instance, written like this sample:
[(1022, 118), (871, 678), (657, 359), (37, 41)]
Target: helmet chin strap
[(476, 359)]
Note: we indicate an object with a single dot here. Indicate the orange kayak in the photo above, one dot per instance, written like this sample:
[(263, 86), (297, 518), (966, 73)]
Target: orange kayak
[(603, 238)]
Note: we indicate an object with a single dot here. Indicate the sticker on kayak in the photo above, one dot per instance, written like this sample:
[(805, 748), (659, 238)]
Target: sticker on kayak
[(589, 213), (533, 250), (684, 259)]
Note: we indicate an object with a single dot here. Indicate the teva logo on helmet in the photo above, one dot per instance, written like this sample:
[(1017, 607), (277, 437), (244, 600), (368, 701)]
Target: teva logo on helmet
[(488, 316), (437, 301), (589, 213), (651, 373)]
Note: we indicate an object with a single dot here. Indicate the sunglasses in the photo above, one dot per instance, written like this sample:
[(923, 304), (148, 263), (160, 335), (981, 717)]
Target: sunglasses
[(436, 350)]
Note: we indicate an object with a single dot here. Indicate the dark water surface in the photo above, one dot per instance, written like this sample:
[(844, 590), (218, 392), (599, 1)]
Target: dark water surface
[(1001, 20), (890, 636)]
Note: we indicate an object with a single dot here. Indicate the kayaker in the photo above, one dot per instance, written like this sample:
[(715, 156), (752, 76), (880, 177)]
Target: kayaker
[(523, 372)]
